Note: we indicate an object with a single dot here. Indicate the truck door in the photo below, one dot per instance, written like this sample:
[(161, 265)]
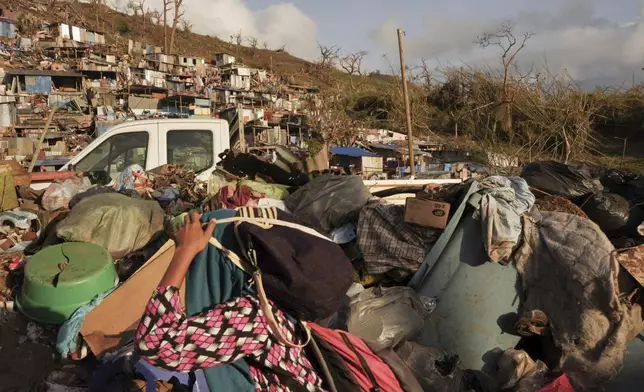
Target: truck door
[(130, 146)]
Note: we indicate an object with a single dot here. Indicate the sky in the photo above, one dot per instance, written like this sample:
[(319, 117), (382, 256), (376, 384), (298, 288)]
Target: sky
[(594, 41)]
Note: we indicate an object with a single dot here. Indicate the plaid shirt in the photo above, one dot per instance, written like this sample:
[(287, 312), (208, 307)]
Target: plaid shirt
[(388, 243), (237, 329)]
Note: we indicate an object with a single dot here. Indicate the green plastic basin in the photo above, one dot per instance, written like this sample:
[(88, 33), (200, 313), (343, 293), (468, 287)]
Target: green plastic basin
[(61, 278)]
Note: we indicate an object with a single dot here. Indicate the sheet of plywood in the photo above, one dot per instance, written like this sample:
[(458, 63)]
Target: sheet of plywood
[(112, 324)]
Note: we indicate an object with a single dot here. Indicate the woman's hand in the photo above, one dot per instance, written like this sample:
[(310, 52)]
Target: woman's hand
[(190, 237)]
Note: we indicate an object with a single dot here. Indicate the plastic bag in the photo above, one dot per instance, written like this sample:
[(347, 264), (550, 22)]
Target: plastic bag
[(387, 316), (22, 220), (272, 191), (609, 210), (58, 196), (216, 181), (116, 222), (559, 179), (328, 202), (628, 185), (518, 372), (434, 369)]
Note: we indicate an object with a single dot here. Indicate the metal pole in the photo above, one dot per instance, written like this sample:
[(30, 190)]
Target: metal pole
[(623, 149), (623, 152), (403, 72), (241, 130)]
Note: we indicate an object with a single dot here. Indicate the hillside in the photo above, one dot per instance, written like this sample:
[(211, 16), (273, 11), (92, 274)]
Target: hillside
[(119, 27)]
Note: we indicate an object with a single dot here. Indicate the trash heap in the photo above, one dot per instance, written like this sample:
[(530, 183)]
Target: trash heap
[(530, 283)]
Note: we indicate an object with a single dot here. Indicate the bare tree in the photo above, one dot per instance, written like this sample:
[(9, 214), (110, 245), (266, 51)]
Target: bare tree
[(167, 6), (252, 42), (138, 7), (178, 14), (265, 45), (510, 46), (328, 55), (329, 114), (186, 25), (154, 16), (352, 63), (98, 4), (239, 38)]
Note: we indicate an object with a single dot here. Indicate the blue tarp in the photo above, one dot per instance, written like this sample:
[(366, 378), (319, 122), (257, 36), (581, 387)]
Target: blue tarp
[(38, 84), (7, 29), (352, 152)]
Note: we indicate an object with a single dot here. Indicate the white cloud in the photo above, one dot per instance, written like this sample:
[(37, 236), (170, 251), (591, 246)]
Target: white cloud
[(591, 49), (277, 24)]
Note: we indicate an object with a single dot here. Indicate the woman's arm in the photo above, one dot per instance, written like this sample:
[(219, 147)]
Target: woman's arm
[(191, 239), (167, 338)]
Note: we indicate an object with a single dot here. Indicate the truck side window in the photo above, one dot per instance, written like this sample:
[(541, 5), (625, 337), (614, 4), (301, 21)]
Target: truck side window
[(116, 153), (192, 149)]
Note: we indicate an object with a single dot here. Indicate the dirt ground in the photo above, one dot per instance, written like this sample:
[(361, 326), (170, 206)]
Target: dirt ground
[(27, 353), (27, 350)]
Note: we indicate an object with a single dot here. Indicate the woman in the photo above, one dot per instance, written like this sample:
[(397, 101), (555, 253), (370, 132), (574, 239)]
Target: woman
[(225, 333)]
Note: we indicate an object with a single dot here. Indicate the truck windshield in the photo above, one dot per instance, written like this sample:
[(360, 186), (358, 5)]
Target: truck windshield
[(115, 154)]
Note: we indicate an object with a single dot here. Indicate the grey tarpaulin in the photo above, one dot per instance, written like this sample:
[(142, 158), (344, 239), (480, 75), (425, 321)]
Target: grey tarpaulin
[(113, 221), (503, 202), (568, 270), (474, 299), (437, 249), (473, 294)]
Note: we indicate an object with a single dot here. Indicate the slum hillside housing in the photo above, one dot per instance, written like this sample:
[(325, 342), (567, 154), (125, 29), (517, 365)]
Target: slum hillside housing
[(90, 87)]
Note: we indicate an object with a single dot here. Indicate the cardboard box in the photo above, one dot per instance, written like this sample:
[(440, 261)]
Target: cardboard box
[(113, 323), (427, 213)]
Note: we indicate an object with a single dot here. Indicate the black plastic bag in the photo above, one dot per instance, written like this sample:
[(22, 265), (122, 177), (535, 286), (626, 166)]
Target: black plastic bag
[(609, 210), (559, 179), (329, 201), (628, 185)]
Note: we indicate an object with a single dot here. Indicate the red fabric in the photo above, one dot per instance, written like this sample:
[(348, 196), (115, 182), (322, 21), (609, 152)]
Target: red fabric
[(385, 378), (241, 196), (562, 384)]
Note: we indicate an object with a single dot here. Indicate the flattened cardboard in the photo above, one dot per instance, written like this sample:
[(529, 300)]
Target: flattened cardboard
[(113, 323), (427, 213)]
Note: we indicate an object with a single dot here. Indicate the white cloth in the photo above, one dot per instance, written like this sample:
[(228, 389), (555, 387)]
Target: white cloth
[(504, 201), (269, 203)]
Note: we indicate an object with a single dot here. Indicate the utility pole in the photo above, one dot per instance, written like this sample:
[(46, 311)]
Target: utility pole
[(623, 149), (241, 131), (403, 73)]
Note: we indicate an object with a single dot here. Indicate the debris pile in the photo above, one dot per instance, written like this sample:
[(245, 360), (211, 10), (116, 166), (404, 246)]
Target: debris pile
[(496, 284)]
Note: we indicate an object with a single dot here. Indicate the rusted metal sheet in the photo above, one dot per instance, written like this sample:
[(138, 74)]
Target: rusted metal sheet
[(51, 176), (633, 261)]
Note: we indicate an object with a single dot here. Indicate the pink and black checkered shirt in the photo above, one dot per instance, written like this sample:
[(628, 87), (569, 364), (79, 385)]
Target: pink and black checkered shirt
[(167, 338)]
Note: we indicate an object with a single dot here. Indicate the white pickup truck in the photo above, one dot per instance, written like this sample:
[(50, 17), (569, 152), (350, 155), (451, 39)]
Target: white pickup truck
[(194, 143)]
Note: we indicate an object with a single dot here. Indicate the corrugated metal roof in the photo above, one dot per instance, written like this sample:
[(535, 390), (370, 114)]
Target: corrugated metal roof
[(352, 152), (38, 72), (384, 146)]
